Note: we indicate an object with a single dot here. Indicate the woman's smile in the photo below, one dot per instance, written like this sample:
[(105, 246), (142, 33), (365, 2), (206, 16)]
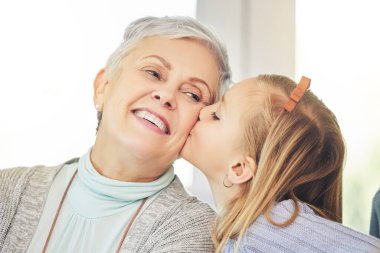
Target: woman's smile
[(153, 121)]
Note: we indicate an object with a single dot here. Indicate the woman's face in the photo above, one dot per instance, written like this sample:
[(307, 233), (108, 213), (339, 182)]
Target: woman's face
[(215, 142), (154, 99)]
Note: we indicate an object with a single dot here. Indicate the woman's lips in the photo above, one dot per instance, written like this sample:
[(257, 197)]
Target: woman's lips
[(152, 120)]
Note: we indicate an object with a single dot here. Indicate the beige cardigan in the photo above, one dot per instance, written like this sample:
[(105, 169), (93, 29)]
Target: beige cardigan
[(174, 222)]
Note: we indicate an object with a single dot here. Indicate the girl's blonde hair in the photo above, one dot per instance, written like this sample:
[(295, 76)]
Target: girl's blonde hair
[(299, 156)]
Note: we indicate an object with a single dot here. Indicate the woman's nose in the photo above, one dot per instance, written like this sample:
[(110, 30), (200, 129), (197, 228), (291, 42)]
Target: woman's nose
[(165, 97)]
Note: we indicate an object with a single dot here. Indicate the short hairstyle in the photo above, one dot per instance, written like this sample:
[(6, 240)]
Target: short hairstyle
[(173, 27)]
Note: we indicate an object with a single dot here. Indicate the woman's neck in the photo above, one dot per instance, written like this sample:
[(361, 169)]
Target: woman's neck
[(118, 165)]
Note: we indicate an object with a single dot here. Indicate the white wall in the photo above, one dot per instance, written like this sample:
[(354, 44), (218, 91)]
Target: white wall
[(259, 35), (338, 47)]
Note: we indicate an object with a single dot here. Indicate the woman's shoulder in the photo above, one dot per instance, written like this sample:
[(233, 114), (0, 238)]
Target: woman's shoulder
[(175, 222), (23, 191), (179, 199), (14, 173), (16, 178), (175, 207), (175, 201), (14, 181)]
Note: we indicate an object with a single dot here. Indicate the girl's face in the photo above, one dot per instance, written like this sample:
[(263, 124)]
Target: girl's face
[(215, 142)]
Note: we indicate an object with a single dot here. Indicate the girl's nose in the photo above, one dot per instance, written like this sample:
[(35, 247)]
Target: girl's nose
[(203, 114)]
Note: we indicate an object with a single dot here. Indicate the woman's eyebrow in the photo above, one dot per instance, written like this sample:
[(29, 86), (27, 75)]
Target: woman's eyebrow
[(162, 60), (192, 79)]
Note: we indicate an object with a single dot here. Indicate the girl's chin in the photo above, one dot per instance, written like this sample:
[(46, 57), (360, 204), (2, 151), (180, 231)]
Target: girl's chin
[(184, 150), (186, 154)]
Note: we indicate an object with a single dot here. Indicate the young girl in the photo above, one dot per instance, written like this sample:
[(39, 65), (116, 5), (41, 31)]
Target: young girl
[(273, 154)]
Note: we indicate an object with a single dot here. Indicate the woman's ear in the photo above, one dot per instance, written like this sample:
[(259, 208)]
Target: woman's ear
[(100, 86), (243, 171)]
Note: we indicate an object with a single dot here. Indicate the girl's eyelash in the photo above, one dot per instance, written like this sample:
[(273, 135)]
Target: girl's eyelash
[(214, 117)]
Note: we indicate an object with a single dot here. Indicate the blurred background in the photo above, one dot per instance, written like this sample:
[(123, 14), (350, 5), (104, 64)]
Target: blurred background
[(50, 52)]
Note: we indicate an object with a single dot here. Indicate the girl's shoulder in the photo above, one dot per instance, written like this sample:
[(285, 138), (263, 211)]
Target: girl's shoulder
[(308, 233)]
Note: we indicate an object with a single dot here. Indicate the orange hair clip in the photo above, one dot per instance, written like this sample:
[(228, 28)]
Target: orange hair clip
[(297, 93)]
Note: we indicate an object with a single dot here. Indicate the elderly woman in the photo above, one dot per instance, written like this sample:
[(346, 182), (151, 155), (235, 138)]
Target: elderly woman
[(122, 195)]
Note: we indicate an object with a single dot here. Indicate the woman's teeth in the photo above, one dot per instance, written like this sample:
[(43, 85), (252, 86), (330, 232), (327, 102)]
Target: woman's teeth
[(153, 119)]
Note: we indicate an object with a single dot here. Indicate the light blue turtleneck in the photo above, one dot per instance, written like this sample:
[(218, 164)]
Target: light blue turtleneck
[(96, 210)]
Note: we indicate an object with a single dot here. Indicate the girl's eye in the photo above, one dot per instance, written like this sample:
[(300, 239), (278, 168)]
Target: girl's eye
[(195, 97), (153, 73), (214, 116)]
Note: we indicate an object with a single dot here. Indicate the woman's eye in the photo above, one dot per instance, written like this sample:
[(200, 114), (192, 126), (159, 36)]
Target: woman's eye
[(195, 97), (214, 116), (153, 73)]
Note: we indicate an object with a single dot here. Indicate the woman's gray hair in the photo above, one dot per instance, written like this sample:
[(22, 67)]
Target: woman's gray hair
[(174, 27)]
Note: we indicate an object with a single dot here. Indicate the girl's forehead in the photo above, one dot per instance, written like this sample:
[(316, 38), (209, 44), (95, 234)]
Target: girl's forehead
[(245, 86), (245, 99), (243, 90)]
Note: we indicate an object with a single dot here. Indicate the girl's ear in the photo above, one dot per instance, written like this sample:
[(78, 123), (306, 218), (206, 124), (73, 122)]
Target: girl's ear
[(243, 171), (100, 86)]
